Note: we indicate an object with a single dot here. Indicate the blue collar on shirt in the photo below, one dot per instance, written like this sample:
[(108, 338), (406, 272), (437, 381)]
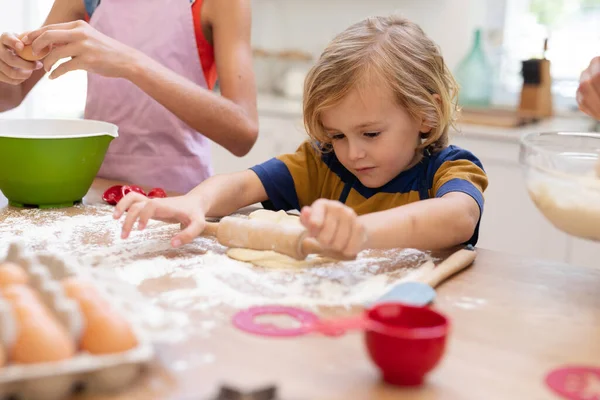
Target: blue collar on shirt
[(405, 181)]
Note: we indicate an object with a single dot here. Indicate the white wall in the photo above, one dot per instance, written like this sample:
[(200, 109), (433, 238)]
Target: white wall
[(310, 24), (277, 24)]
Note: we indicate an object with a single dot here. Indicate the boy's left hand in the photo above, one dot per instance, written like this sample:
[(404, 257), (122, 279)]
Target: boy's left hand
[(335, 226), (88, 49)]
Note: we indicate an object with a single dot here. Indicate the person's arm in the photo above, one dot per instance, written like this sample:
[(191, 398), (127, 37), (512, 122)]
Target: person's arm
[(222, 195), (229, 120), (588, 93), (274, 180), (431, 224), (217, 196), (450, 218), (13, 93), (230, 23)]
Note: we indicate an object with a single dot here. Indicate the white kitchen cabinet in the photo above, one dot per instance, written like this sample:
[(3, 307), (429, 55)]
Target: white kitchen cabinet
[(277, 135)]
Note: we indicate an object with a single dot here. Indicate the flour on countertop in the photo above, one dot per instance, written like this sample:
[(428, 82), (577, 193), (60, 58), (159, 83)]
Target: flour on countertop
[(199, 276)]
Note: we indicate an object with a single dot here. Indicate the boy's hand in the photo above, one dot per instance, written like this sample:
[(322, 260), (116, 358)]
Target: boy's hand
[(182, 209), (335, 225)]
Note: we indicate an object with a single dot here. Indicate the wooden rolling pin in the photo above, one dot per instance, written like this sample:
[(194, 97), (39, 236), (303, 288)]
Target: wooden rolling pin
[(264, 235)]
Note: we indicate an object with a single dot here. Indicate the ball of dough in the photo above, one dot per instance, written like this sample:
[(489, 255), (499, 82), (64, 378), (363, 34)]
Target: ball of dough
[(27, 52)]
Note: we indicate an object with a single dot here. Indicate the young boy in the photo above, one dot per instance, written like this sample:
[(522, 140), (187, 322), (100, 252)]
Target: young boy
[(377, 171)]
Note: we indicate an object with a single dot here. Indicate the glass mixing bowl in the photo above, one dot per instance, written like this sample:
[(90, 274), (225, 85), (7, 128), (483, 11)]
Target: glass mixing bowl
[(562, 174)]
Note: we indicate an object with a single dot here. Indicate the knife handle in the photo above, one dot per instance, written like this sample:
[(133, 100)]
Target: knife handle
[(450, 266)]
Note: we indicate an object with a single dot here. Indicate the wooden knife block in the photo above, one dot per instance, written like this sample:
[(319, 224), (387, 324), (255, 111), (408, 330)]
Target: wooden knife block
[(536, 94)]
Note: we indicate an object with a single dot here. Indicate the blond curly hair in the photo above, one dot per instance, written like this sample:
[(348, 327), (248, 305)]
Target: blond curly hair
[(404, 57)]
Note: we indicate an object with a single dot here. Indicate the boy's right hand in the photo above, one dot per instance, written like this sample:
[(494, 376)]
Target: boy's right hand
[(335, 226), (13, 69), (182, 209)]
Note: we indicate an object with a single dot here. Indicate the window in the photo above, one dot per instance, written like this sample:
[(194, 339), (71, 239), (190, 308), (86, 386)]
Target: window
[(573, 31)]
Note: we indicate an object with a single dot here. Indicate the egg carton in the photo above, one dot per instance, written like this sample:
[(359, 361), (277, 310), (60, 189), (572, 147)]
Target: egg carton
[(83, 372)]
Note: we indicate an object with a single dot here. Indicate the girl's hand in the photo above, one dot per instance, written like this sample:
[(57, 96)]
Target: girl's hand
[(182, 209), (588, 93), (88, 49), (13, 69), (335, 226)]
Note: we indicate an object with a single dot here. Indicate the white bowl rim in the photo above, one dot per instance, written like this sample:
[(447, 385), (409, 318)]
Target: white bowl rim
[(111, 129)]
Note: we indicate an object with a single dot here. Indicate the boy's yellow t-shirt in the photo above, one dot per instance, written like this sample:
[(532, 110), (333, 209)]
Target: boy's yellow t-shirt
[(296, 180)]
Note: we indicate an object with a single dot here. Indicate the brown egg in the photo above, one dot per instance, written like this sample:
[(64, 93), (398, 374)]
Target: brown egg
[(27, 52), (41, 337), (11, 273), (105, 331)]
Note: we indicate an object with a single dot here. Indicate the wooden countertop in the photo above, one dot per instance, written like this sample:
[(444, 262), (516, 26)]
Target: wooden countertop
[(513, 321)]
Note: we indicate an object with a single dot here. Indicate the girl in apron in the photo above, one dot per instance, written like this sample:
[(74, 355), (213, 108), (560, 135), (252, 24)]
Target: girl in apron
[(151, 67)]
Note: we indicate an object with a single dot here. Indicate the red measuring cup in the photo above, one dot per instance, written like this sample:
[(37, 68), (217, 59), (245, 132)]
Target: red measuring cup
[(405, 342)]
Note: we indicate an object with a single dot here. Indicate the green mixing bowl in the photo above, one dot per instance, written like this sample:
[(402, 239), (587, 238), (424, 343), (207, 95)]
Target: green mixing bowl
[(51, 163)]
